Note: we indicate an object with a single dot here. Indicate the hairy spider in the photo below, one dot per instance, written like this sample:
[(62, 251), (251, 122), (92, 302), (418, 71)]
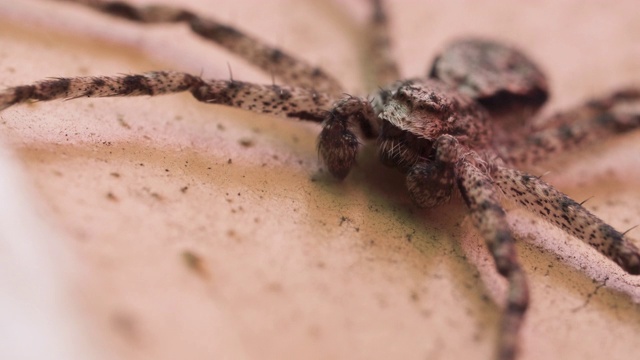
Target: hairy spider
[(463, 128)]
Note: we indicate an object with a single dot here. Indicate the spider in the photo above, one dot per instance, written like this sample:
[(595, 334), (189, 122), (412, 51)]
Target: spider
[(462, 129)]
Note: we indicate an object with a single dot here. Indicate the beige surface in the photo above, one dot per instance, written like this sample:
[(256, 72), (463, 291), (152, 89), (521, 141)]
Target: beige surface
[(294, 264)]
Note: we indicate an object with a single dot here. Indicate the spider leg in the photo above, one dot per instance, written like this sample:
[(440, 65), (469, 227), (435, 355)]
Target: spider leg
[(586, 124), (284, 101), (283, 66), (556, 207), (338, 143), (479, 193), (430, 183), (380, 61)]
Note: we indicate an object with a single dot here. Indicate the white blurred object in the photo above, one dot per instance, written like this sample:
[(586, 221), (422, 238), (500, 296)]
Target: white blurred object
[(37, 318)]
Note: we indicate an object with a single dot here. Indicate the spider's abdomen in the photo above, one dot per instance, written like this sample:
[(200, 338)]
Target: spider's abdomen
[(500, 77), (417, 112)]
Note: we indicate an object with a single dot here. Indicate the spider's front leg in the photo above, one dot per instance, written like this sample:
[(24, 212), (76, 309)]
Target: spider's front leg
[(479, 193), (283, 101), (337, 145)]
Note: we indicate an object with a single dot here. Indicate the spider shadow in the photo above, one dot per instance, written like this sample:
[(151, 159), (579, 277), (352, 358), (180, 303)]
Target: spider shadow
[(157, 158), (388, 186), (434, 233)]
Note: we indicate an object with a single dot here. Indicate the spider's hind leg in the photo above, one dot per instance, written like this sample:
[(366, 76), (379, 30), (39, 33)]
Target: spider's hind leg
[(595, 121), (382, 66)]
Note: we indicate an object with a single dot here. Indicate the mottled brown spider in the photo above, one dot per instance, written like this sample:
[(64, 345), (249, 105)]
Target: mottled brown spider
[(463, 128)]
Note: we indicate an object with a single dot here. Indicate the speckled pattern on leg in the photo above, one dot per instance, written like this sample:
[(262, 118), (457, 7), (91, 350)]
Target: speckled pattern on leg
[(285, 101), (430, 184), (554, 206), (384, 69), (338, 143), (594, 121), (280, 64), (478, 192)]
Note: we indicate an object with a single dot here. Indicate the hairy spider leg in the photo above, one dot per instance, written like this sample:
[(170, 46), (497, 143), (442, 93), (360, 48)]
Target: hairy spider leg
[(479, 193), (430, 183), (594, 121), (557, 208), (338, 144), (284, 101), (380, 60), (281, 65)]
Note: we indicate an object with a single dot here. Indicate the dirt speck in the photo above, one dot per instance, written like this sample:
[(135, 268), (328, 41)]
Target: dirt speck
[(195, 263), (123, 123), (125, 325), (246, 142)]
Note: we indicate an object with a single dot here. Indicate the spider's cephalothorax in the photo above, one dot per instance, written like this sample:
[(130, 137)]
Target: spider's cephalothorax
[(417, 113), (465, 127), (469, 82), (420, 111)]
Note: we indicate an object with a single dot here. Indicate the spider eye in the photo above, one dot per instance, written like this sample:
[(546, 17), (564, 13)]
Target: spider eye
[(421, 98)]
